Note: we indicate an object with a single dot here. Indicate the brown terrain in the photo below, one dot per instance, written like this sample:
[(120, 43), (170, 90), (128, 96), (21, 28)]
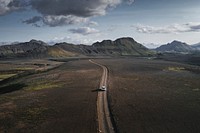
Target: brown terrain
[(62, 99), (145, 95), (153, 96)]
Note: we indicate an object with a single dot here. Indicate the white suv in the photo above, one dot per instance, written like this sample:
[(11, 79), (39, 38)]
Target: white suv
[(103, 88)]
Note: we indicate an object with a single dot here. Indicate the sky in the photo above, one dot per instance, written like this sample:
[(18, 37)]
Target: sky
[(150, 22)]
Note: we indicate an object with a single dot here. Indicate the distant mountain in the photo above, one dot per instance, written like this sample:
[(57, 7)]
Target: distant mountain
[(39, 49), (4, 43), (32, 49), (176, 47), (196, 46), (121, 46), (27, 49)]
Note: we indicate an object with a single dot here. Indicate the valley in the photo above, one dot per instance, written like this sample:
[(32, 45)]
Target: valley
[(58, 88), (144, 95), (99, 66)]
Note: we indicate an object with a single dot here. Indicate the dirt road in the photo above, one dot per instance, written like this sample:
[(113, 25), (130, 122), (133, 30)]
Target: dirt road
[(104, 120)]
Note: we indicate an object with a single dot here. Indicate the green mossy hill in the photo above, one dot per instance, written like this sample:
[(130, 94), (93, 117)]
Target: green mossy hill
[(38, 49)]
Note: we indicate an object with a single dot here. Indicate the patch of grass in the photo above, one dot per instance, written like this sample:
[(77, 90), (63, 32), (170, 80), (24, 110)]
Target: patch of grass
[(5, 76), (24, 69), (42, 86), (177, 69), (196, 89), (16, 77)]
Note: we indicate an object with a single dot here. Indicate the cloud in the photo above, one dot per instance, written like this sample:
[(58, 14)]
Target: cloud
[(66, 12), (129, 2), (151, 45), (82, 8), (54, 21), (61, 20), (84, 31), (7, 6), (76, 39), (194, 26), (59, 40), (61, 12), (175, 28), (33, 20), (92, 23)]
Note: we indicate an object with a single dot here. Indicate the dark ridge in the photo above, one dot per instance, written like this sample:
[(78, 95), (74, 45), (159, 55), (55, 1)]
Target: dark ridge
[(37, 49), (176, 47)]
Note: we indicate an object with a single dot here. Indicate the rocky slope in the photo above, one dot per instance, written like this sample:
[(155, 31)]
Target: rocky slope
[(121, 46), (176, 47), (35, 49), (39, 49), (196, 46)]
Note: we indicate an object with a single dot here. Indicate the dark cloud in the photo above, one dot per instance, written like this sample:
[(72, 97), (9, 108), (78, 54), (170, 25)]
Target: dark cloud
[(195, 27), (66, 12), (33, 20), (61, 12), (19, 3), (81, 8), (7, 6), (84, 31)]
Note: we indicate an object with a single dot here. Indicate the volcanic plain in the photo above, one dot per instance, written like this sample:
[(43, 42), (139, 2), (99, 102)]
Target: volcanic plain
[(154, 96), (59, 99), (145, 95)]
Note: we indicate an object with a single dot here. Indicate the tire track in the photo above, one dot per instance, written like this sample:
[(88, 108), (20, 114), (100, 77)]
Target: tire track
[(105, 124)]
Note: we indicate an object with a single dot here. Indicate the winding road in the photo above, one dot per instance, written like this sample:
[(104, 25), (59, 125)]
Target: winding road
[(104, 120)]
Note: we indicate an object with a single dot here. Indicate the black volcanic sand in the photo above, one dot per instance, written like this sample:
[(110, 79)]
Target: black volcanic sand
[(60, 100), (149, 96)]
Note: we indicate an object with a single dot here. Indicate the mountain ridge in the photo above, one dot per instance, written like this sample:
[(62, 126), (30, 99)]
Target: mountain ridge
[(176, 47), (196, 46), (39, 49)]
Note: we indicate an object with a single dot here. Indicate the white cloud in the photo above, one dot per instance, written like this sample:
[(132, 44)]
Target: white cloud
[(63, 20), (84, 31), (130, 2), (92, 23), (175, 28), (76, 39), (54, 21), (151, 45)]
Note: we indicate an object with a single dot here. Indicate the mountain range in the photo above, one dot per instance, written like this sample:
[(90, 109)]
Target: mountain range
[(196, 46), (178, 47), (38, 49)]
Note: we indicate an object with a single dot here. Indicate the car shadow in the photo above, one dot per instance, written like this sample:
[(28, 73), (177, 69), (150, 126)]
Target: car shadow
[(96, 90)]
